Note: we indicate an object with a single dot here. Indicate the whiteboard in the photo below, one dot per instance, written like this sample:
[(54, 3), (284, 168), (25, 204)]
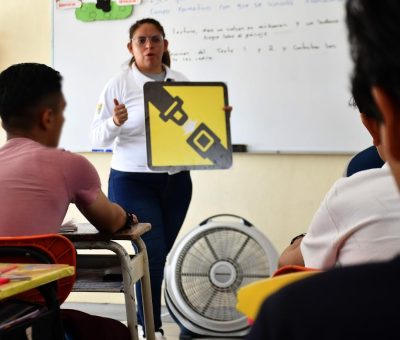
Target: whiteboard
[(285, 62)]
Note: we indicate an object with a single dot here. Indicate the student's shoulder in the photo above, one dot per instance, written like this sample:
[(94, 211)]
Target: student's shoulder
[(70, 158), (363, 185), (366, 178), (76, 171)]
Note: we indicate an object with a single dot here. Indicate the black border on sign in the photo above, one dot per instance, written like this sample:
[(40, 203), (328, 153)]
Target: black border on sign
[(147, 90)]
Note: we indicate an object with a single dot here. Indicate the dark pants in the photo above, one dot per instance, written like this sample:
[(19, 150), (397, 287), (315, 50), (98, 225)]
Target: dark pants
[(162, 200), (81, 326)]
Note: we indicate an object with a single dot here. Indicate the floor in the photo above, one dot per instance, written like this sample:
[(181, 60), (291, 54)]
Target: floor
[(117, 311)]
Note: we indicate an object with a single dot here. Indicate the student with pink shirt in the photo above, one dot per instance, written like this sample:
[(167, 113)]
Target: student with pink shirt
[(39, 181)]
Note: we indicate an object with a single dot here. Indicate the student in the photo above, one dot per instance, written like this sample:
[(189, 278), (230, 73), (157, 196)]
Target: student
[(37, 180), (358, 220), (160, 198), (355, 302)]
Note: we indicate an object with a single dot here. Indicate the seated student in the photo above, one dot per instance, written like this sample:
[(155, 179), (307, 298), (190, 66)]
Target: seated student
[(39, 181), (358, 220), (355, 302)]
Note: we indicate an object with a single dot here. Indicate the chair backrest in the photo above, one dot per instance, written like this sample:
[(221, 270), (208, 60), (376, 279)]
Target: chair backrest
[(366, 159), (251, 297), (49, 248)]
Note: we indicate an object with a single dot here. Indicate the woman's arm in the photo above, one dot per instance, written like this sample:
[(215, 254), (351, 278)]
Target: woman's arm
[(104, 130)]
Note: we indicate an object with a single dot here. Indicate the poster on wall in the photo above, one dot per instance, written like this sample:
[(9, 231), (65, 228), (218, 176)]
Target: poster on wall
[(94, 10)]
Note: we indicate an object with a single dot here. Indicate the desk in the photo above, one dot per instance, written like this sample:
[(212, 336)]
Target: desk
[(40, 274), (133, 269)]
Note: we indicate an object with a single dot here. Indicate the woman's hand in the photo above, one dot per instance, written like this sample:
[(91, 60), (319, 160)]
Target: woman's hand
[(120, 115), (228, 110)]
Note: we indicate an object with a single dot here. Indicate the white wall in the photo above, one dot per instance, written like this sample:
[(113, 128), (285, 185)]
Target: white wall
[(277, 193), (25, 34)]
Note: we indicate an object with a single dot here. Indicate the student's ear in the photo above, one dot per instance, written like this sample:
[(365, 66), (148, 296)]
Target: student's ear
[(46, 118), (373, 127), (391, 117)]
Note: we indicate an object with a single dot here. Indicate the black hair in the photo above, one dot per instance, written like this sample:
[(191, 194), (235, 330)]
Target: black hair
[(374, 35), (362, 97), (23, 89), (166, 58)]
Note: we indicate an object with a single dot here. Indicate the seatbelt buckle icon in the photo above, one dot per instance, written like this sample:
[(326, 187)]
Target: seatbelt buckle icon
[(175, 112), (198, 130), (207, 144), (202, 139)]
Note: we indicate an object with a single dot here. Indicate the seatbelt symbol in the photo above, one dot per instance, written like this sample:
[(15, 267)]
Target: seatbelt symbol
[(175, 112), (208, 145), (202, 139)]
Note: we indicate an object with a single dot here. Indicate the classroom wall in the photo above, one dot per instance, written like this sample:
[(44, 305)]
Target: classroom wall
[(277, 193), (295, 45)]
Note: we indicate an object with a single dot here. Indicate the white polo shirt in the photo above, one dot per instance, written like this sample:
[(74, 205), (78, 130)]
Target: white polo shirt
[(358, 221), (129, 140)]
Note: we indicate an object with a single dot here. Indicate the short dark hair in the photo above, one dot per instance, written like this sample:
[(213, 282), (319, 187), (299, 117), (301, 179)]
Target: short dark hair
[(374, 35), (23, 88), (362, 97)]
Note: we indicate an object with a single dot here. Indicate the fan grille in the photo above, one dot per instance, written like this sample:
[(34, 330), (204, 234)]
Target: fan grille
[(214, 265)]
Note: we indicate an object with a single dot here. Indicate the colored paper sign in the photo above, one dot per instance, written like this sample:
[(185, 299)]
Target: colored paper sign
[(89, 12), (127, 2), (186, 126), (67, 4)]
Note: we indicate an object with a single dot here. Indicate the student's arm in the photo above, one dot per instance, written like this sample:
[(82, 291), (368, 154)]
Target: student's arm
[(106, 216), (84, 188), (292, 254)]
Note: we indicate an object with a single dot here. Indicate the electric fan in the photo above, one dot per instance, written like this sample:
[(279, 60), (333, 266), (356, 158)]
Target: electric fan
[(205, 269)]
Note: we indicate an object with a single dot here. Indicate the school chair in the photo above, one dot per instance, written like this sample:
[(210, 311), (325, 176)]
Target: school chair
[(251, 297), (49, 248), (366, 159)]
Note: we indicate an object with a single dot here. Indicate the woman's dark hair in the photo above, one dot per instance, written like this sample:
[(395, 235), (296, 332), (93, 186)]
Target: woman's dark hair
[(374, 35), (166, 59), (23, 89)]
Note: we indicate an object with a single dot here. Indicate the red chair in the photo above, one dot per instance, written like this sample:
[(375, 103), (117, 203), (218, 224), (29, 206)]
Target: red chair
[(49, 248)]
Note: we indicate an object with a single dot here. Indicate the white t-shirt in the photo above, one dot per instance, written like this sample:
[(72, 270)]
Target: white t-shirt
[(129, 140), (358, 221)]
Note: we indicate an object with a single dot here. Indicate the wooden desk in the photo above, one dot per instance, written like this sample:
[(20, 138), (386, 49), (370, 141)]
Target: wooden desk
[(133, 269), (40, 274)]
